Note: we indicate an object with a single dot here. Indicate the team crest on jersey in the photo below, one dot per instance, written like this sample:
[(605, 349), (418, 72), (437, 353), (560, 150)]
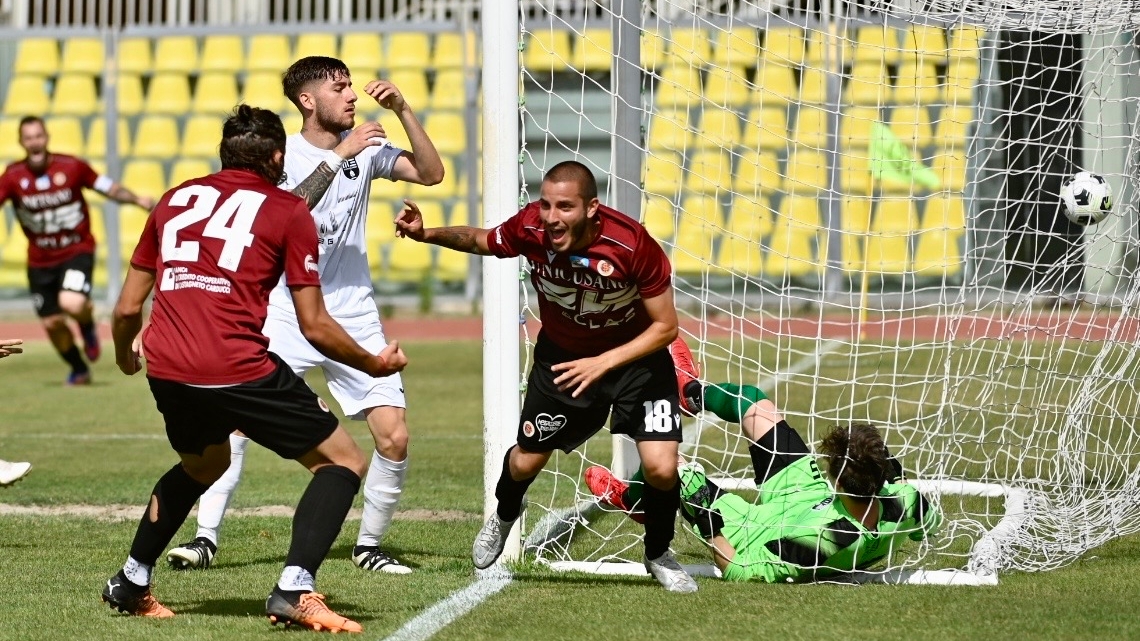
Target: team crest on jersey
[(59, 179), (23, 183), (580, 262), (310, 264), (605, 267), (350, 168)]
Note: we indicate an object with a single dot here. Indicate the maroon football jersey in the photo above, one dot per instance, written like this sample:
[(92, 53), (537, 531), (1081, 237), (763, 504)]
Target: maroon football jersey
[(590, 300), (51, 209), (218, 245)]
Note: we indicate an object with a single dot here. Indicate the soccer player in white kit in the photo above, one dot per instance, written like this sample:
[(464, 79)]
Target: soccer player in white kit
[(338, 164)]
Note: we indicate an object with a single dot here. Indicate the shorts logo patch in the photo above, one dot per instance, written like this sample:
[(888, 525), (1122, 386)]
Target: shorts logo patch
[(605, 267), (322, 404), (38, 301), (528, 429), (549, 425)]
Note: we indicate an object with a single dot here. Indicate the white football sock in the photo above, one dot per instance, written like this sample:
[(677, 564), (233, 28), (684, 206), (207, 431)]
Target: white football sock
[(296, 578), (382, 488), (137, 573), (212, 506)]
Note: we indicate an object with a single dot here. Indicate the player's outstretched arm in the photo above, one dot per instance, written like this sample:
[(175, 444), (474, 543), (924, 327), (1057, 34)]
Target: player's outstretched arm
[(127, 319), (123, 195), (10, 346), (330, 339), (422, 165), (473, 240)]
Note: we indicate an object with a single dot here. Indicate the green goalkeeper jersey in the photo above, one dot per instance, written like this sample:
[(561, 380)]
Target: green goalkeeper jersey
[(800, 530)]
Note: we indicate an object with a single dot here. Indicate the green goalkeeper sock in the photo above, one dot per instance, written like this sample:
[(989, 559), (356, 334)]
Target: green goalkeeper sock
[(730, 402)]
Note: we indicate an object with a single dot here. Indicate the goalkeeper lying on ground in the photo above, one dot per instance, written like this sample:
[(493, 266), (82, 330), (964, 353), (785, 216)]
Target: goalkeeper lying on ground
[(799, 528)]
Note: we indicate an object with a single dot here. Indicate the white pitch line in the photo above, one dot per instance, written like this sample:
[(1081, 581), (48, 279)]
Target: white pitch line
[(440, 615), (803, 364)]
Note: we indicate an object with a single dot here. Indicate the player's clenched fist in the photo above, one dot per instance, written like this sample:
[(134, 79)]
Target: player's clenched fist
[(386, 94), (409, 222), (392, 360), (370, 134)]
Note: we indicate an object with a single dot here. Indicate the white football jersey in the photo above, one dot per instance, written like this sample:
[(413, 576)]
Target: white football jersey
[(340, 216)]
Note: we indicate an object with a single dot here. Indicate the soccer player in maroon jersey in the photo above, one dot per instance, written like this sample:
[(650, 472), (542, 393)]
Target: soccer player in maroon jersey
[(215, 247), (47, 194), (605, 295)]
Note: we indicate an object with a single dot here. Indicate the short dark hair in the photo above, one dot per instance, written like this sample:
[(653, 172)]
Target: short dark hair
[(249, 138), (310, 69), (574, 171), (29, 119), (857, 459)]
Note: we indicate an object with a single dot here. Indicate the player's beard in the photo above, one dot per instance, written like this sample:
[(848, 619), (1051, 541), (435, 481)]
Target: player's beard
[(335, 121), (38, 162)]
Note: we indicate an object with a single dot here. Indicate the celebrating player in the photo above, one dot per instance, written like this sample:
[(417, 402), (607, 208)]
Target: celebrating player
[(47, 194), (606, 300), (11, 472), (216, 246), (343, 162), (799, 529)]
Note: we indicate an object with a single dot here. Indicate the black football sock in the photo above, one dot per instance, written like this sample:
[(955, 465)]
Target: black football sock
[(320, 515), (87, 328), (170, 503), (75, 360), (660, 517), (510, 492)]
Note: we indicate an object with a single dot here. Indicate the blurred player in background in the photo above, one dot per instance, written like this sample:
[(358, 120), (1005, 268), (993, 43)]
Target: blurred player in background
[(799, 528), (11, 472), (47, 194), (332, 166), (216, 246), (605, 295)]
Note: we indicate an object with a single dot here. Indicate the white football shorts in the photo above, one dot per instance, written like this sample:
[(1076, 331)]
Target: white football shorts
[(354, 390)]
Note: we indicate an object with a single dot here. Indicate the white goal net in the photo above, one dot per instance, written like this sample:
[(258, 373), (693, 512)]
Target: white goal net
[(860, 201)]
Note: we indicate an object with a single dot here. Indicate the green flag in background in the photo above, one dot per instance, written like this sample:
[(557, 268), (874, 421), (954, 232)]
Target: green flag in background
[(892, 160)]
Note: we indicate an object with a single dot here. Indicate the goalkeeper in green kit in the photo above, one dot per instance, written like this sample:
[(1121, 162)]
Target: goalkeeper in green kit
[(802, 525)]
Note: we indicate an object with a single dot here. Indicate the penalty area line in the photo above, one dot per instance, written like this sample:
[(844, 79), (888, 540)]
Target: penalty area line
[(442, 614)]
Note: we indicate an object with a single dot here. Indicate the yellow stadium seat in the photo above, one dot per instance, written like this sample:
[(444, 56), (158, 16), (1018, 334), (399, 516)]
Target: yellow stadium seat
[(702, 207), (669, 130), (799, 211), (82, 54), (315, 44), (961, 76), (679, 87), (97, 138), (775, 85), (791, 249), (952, 128), (134, 56), (389, 190), (144, 177), (379, 235), (811, 127), (363, 54), (409, 261), (663, 173), (449, 53), (701, 223), (169, 93), (26, 95), (187, 169), (407, 50), (877, 44), (869, 85), (292, 121), (855, 127), (727, 87), (38, 56), (766, 128), (855, 172), (757, 176), (176, 54), (717, 129), (950, 167), (222, 53), (737, 48), (216, 93), (659, 218), (129, 94), (741, 248), (824, 47), (654, 49), (709, 172), (690, 46), (412, 84), (98, 228), (784, 45), (855, 224), (813, 86), (269, 52), (912, 126), (201, 136), (74, 95), (925, 44), (547, 51), (156, 137), (750, 220), (965, 41), (66, 135), (807, 171), (263, 89), (448, 188), (594, 50), (918, 85), (10, 148), (888, 246), (448, 131), (449, 92)]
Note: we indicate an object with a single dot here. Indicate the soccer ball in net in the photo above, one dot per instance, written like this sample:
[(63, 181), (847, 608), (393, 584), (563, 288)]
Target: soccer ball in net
[(1087, 197)]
